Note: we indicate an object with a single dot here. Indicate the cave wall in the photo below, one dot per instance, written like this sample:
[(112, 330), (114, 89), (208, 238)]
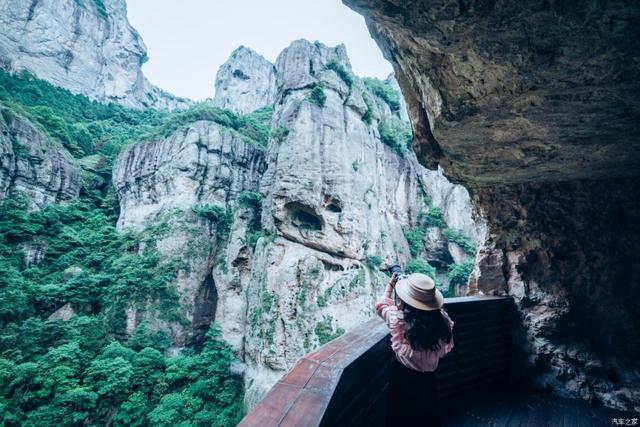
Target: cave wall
[(533, 106), (568, 254)]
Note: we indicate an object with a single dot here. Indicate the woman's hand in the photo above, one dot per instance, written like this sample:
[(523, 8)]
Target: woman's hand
[(394, 280), (391, 285)]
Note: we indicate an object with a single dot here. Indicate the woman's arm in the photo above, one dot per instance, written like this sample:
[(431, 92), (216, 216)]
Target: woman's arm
[(385, 302)]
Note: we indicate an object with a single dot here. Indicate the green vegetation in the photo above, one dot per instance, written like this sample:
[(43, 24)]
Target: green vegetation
[(325, 332), (266, 302), (84, 127), (314, 271), (415, 239), (317, 95), (322, 299), (368, 115), (79, 383), (459, 239), (396, 134), (302, 295), (458, 274), (374, 262), (87, 371), (447, 291), (254, 127), (384, 91), (432, 218), (358, 280), (253, 237), (341, 72), (80, 237), (259, 320), (52, 372), (87, 127), (250, 200), (416, 265), (99, 5), (279, 133), (253, 202), (100, 8), (221, 217), (355, 165)]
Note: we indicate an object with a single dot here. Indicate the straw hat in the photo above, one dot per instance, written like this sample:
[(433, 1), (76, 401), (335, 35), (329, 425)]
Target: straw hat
[(419, 291)]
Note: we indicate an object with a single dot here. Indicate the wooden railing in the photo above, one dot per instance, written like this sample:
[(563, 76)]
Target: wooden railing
[(345, 382)]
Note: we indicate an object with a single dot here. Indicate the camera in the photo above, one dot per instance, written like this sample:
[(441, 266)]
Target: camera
[(395, 268)]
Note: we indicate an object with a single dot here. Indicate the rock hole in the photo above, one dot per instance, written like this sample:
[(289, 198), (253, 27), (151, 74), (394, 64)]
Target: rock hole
[(242, 260), (332, 204), (331, 266), (304, 218), (204, 312), (238, 74), (334, 208)]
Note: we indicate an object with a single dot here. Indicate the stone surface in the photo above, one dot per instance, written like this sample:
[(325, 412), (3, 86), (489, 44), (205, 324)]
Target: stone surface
[(32, 164), (161, 181), (245, 82), (534, 107), (86, 46), (63, 313), (512, 92), (335, 202)]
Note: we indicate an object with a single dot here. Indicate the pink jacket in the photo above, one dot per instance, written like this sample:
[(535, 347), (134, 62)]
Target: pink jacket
[(423, 361)]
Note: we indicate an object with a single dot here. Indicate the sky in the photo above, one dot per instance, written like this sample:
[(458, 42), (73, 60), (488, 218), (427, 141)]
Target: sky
[(188, 40)]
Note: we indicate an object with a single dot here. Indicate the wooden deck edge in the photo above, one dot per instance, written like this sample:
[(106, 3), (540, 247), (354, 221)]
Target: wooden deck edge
[(303, 394)]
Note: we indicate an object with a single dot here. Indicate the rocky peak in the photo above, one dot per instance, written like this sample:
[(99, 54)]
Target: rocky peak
[(86, 46), (331, 198), (30, 163), (245, 82), (304, 63)]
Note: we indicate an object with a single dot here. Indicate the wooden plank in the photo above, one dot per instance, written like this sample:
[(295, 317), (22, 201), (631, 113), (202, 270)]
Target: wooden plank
[(270, 410), (306, 412), (324, 380), (300, 373)]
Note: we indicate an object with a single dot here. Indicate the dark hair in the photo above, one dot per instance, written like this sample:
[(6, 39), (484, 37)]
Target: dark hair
[(426, 328)]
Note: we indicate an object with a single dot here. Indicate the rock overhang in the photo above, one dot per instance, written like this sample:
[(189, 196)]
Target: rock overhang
[(516, 92)]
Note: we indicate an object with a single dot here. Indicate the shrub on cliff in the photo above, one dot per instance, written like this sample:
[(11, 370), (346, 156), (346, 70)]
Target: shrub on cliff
[(415, 239), (459, 239), (317, 95), (396, 134), (254, 127), (222, 217), (325, 332), (417, 265), (384, 91), (458, 274), (432, 218), (341, 72)]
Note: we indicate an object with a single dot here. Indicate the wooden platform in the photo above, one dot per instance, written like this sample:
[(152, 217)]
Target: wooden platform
[(533, 410), (344, 383)]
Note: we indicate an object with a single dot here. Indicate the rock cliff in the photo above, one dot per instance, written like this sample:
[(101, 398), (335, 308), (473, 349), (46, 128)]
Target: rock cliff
[(286, 244), (86, 46), (534, 108), (32, 164), (245, 82)]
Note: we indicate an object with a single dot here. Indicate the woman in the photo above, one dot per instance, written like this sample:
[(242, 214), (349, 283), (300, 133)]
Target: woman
[(421, 333)]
